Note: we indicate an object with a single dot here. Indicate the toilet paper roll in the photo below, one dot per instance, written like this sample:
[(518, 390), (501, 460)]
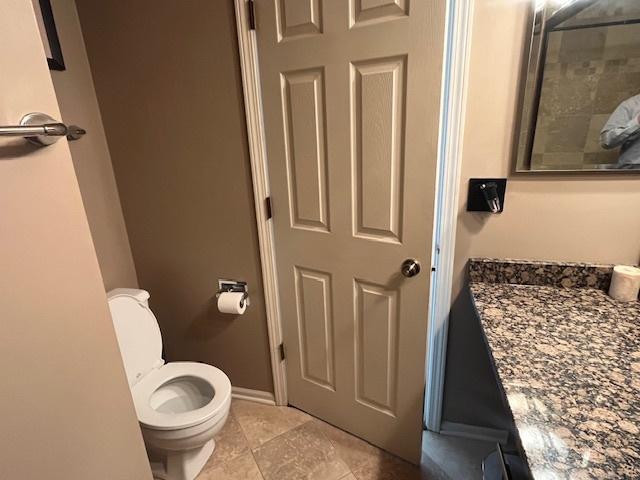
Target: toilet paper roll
[(231, 302), (625, 283)]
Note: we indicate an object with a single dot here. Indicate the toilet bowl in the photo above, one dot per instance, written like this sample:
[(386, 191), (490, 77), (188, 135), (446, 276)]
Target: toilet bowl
[(180, 406)]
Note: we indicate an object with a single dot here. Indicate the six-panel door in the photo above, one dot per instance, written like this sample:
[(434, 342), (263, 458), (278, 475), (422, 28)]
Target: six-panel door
[(351, 95)]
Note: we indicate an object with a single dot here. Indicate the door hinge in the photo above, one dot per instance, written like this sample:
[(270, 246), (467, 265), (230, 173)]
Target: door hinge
[(269, 211), (283, 353), (251, 8)]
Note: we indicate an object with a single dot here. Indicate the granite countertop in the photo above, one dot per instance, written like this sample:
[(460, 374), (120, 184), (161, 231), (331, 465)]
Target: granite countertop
[(568, 359)]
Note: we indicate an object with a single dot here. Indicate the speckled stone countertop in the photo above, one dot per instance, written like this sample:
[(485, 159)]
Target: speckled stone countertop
[(568, 360)]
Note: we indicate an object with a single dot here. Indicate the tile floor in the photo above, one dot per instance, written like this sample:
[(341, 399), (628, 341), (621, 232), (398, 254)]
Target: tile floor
[(460, 458), (261, 442)]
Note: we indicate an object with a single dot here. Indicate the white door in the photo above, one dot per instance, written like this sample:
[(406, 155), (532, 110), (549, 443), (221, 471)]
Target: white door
[(351, 93), (67, 412)]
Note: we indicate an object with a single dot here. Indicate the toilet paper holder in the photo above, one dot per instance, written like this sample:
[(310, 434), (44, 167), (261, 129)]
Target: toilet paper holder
[(234, 286)]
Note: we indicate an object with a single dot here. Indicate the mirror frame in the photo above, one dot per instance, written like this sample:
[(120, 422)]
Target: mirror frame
[(530, 87)]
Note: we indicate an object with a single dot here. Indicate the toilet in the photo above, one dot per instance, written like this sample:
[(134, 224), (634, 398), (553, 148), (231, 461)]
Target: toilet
[(180, 405)]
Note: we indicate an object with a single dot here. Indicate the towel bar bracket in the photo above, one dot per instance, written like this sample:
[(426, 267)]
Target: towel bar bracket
[(41, 129)]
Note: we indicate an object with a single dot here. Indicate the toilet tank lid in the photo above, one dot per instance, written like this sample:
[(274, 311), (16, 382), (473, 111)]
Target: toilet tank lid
[(138, 334), (140, 295)]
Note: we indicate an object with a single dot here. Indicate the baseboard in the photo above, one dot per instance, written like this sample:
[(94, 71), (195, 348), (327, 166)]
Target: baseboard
[(474, 432), (258, 396)]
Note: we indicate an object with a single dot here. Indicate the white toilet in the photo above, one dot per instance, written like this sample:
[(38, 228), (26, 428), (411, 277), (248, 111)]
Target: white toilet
[(180, 405)]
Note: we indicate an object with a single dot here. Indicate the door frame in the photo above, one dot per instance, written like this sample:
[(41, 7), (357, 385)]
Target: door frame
[(452, 107), (455, 67), (247, 47)]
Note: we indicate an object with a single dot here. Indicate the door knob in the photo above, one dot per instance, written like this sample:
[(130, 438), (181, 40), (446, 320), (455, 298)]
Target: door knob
[(410, 267)]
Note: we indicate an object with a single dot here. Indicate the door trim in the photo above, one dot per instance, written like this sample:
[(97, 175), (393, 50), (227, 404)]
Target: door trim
[(452, 118), (456, 53), (259, 174)]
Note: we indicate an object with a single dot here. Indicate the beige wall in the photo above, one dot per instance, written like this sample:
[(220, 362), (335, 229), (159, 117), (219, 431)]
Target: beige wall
[(169, 87), (573, 218), (67, 413), (91, 159)]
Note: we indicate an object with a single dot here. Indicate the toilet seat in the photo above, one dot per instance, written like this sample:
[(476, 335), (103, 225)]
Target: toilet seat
[(151, 418)]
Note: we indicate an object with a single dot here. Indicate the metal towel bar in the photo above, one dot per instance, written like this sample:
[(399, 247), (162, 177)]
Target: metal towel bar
[(41, 129)]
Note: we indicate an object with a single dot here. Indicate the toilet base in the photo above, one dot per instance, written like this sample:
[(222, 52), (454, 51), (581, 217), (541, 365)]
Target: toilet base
[(184, 465)]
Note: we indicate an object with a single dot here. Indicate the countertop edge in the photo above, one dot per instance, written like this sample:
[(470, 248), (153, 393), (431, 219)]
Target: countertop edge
[(503, 393)]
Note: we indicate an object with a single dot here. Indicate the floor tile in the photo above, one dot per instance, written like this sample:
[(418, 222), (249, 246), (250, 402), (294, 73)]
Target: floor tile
[(370, 463), (302, 453), (261, 442), (432, 470), (242, 467), (458, 457), (260, 423), (355, 452), (388, 467), (230, 443)]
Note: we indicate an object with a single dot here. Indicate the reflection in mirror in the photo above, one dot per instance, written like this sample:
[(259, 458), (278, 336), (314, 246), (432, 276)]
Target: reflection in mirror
[(581, 92)]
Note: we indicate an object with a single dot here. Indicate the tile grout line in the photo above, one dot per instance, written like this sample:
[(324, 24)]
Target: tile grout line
[(244, 434), (278, 436), (252, 450), (249, 449), (257, 464), (337, 450), (350, 473), (311, 418), (332, 443), (237, 455)]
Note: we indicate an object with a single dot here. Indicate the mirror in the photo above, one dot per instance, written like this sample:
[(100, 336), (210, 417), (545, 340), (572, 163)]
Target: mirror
[(580, 106)]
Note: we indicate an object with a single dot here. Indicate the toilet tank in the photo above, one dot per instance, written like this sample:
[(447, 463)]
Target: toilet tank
[(141, 296)]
